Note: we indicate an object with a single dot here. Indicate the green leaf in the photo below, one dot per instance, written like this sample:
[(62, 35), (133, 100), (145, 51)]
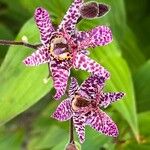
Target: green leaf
[(141, 84), (21, 86), (131, 51), (116, 17), (5, 33), (48, 141), (144, 144), (140, 23), (11, 139)]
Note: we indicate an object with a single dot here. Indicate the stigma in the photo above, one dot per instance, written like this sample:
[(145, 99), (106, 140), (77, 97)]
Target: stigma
[(59, 48)]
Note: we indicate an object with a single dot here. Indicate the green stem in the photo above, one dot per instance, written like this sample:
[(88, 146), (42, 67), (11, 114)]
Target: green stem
[(71, 132)]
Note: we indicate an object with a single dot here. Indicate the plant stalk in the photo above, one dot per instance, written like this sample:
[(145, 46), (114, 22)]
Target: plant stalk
[(8, 42), (71, 132)]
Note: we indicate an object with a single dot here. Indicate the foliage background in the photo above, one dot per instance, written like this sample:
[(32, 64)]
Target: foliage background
[(26, 103)]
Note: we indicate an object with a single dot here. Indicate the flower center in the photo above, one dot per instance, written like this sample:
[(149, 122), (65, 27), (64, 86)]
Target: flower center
[(59, 48), (79, 102)]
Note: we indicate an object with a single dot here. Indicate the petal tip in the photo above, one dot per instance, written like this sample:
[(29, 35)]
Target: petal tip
[(39, 10), (121, 95), (25, 62), (57, 96)]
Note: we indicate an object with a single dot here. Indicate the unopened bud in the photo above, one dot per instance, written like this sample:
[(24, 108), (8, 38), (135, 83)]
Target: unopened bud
[(89, 10), (71, 147), (103, 9), (92, 10)]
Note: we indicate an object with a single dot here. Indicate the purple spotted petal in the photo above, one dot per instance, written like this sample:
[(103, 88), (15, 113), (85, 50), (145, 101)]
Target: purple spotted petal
[(73, 87), (83, 62), (44, 24), (40, 56), (109, 98), (102, 123), (85, 52), (98, 36), (60, 73), (63, 111), (91, 87), (71, 17), (79, 124)]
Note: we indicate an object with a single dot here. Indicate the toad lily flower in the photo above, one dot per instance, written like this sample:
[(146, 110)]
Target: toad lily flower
[(65, 48), (83, 105)]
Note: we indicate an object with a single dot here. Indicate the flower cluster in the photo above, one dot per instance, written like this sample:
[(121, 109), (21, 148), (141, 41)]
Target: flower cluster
[(66, 48)]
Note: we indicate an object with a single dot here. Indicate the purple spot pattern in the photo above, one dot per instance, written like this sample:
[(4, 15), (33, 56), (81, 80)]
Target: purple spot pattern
[(73, 86), (79, 124), (63, 111), (91, 87), (108, 98), (40, 56), (70, 19), (102, 123), (99, 36), (83, 62), (44, 24), (90, 115), (85, 52), (60, 73)]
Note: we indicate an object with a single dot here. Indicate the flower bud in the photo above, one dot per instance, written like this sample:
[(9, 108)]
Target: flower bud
[(71, 146), (91, 10)]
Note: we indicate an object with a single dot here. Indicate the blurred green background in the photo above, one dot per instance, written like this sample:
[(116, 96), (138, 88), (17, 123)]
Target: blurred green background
[(26, 102)]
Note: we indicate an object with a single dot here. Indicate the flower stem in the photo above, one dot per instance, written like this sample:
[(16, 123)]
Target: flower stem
[(8, 42), (71, 131)]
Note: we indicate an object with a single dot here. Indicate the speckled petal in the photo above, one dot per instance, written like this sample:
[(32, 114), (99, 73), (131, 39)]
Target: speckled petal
[(83, 62), (109, 98), (73, 86), (79, 124), (40, 56), (91, 87), (60, 73), (63, 111), (71, 17), (98, 36), (102, 123), (44, 24), (85, 52)]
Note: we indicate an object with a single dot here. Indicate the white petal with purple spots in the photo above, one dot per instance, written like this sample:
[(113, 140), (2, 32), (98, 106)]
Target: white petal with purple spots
[(44, 24), (108, 98), (83, 62), (40, 56), (63, 111), (73, 86), (98, 36)]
